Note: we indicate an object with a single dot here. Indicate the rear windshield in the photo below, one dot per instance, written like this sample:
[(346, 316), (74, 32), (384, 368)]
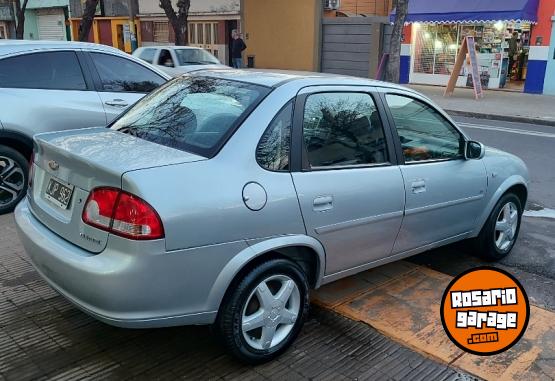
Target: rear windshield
[(194, 114)]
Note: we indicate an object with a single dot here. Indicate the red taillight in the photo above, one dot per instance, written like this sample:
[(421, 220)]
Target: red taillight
[(123, 214), (31, 170)]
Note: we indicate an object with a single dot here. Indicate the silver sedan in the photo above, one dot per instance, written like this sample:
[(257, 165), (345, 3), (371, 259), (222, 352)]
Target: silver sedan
[(223, 197)]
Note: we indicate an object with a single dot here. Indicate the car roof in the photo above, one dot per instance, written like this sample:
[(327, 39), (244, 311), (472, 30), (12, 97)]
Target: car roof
[(171, 47), (275, 78), (21, 46)]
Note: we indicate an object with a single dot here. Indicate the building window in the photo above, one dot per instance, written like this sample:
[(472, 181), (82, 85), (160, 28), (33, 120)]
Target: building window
[(436, 46), (192, 33), (200, 34), (161, 32), (435, 49)]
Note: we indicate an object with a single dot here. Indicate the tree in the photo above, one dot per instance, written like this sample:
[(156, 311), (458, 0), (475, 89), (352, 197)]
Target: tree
[(20, 14), (393, 67), (178, 19), (87, 19)]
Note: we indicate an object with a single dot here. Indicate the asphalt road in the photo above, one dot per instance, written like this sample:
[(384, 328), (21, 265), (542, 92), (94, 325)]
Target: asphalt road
[(532, 260)]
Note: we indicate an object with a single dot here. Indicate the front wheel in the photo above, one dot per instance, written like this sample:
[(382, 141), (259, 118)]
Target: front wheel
[(264, 314), (498, 236)]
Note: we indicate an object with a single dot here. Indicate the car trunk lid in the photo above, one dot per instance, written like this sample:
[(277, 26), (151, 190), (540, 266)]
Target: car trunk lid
[(75, 162)]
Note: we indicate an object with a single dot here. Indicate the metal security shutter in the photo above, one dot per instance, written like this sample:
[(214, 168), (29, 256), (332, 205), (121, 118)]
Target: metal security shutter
[(51, 24), (161, 32)]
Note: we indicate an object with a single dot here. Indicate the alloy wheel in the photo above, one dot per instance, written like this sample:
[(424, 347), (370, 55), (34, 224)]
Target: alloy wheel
[(12, 180), (506, 226), (270, 312)]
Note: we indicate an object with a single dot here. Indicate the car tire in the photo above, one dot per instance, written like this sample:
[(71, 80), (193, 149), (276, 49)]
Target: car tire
[(499, 234), (13, 178), (275, 321)]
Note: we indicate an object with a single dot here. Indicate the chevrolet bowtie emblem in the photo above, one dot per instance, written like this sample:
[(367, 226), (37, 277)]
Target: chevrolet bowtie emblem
[(53, 165)]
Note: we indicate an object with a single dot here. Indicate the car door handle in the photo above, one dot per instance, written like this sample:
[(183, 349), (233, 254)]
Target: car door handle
[(322, 203), (117, 103), (418, 186)]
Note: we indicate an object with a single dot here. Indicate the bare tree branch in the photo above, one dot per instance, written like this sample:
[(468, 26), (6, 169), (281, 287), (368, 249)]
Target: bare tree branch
[(20, 14), (87, 20), (393, 68), (178, 19)]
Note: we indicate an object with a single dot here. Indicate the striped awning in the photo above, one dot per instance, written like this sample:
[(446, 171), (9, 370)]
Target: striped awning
[(470, 11)]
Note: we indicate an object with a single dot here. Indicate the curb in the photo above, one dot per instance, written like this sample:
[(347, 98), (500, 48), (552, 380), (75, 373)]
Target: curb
[(401, 301), (504, 118)]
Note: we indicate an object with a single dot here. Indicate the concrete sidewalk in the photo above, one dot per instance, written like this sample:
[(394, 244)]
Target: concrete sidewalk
[(402, 300), (43, 337), (496, 104)]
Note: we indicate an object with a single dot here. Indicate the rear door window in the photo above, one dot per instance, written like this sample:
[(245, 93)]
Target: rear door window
[(343, 130), (118, 74), (48, 70), (195, 114)]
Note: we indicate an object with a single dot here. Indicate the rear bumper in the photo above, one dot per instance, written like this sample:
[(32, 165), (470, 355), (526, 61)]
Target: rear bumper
[(129, 284)]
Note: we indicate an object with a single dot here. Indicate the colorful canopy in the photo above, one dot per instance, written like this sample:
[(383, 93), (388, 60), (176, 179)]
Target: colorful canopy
[(456, 11)]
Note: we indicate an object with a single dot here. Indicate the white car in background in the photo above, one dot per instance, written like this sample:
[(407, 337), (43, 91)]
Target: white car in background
[(177, 60)]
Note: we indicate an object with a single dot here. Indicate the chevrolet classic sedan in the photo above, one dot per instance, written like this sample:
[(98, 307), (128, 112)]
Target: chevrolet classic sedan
[(225, 196)]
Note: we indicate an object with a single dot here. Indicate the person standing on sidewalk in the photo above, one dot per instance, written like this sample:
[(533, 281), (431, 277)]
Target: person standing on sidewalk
[(237, 47), (513, 53)]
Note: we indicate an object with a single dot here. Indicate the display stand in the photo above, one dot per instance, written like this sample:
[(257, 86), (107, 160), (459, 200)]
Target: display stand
[(468, 46)]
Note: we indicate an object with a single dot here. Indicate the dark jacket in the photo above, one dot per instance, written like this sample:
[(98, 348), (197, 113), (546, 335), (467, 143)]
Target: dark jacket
[(237, 47)]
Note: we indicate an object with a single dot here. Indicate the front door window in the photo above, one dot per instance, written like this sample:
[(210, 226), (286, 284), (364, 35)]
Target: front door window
[(424, 133)]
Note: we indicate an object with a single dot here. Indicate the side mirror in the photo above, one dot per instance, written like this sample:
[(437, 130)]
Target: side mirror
[(474, 150)]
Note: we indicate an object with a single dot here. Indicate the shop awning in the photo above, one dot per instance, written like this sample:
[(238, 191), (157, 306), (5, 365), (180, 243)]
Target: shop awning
[(471, 11)]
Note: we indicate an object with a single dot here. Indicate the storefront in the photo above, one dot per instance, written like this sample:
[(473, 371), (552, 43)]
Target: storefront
[(503, 31)]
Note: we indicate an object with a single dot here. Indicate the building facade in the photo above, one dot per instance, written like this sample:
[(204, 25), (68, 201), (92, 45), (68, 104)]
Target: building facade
[(47, 20), (549, 83), (349, 8), (209, 26), (282, 34), (512, 39), (115, 23), (7, 20)]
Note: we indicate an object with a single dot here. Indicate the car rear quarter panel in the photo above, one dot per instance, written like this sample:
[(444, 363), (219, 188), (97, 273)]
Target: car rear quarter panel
[(202, 203)]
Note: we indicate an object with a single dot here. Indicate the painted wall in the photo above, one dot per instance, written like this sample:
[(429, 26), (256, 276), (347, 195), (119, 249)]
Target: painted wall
[(370, 7), (539, 48), (197, 6), (31, 30), (549, 82), (283, 34), (35, 4)]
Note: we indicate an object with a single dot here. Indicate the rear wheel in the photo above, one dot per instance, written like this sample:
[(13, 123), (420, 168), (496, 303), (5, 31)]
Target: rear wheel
[(13, 178), (264, 314), (498, 236)]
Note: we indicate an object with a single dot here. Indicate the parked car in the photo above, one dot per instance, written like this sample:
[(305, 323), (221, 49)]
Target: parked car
[(50, 86), (178, 60), (224, 196)]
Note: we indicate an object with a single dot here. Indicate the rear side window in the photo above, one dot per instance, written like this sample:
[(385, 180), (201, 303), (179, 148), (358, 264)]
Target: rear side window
[(195, 114), (118, 74), (48, 70), (343, 129), (147, 55), (273, 149)]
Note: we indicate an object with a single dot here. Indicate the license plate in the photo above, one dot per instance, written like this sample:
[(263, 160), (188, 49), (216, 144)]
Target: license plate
[(58, 193)]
